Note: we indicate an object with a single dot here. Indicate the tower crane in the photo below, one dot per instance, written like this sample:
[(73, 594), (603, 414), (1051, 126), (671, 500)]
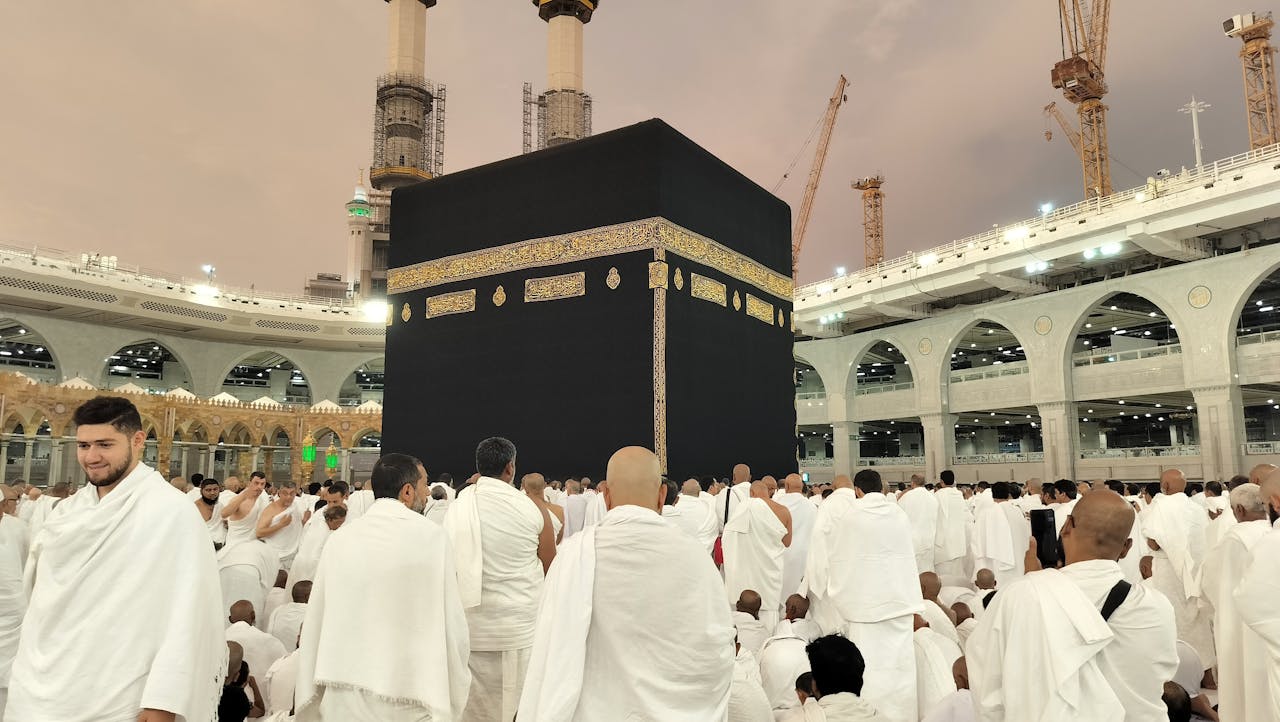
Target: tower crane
[(815, 173), (1084, 25), (1259, 76), (1073, 136), (872, 218)]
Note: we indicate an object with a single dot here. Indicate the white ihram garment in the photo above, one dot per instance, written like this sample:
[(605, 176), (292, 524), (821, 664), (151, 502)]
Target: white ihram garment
[(753, 553), (923, 510)]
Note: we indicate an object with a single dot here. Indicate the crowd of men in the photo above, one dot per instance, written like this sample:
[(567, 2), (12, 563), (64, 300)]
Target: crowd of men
[(633, 597)]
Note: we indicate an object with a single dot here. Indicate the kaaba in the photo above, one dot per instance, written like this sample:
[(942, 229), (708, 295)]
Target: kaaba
[(624, 289)]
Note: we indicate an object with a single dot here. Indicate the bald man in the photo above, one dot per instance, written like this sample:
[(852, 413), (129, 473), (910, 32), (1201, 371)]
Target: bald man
[(1260, 472), (14, 545), (803, 515), (535, 487), (729, 499), (692, 499), (1111, 645), (261, 650), (1259, 589), (621, 576), (1174, 526), (754, 542), (1243, 692)]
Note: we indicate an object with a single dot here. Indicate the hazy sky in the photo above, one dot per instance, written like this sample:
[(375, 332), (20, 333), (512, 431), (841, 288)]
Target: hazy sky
[(173, 133)]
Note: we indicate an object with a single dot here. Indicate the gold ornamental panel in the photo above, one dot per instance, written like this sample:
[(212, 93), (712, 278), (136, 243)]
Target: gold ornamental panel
[(551, 288), (708, 289), (759, 310), (450, 303), (613, 280), (658, 274), (658, 234)]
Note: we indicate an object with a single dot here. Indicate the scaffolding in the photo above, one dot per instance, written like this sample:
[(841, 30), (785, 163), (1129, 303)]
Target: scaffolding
[(542, 121), (408, 131), (527, 144), (872, 218), (1258, 59)]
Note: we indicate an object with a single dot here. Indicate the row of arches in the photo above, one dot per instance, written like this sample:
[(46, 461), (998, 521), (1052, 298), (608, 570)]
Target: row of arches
[(155, 368)]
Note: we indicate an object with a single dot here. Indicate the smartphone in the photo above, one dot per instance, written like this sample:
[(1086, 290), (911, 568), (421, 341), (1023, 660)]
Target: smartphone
[(1045, 532)]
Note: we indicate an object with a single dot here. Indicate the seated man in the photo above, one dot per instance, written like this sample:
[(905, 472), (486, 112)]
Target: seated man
[(837, 668), (751, 633)]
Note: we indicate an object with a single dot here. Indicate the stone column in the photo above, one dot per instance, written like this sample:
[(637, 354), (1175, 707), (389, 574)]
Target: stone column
[(844, 447), (1220, 427), (182, 461), (164, 457), (211, 460), (255, 455), (939, 442), (269, 463), (1059, 430), (29, 447), (4, 461), (55, 461), (345, 466)]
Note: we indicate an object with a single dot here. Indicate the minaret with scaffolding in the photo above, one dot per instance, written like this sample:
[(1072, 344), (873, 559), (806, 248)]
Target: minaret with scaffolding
[(564, 110), (408, 136)]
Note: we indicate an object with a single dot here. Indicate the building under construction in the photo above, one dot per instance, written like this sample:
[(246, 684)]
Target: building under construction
[(408, 145), (563, 110)]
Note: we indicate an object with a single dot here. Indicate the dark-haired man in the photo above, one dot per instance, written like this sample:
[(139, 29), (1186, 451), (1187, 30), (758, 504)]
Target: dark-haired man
[(952, 542), (837, 668), (405, 655), (862, 582), (122, 566), (502, 545), (208, 502)]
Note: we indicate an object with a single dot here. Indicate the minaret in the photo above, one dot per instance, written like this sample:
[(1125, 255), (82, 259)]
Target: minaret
[(408, 143), (408, 131), (564, 110), (359, 249)]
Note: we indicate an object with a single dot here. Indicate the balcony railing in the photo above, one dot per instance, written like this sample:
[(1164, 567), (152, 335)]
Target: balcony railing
[(1264, 337), (864, 389), (891, 461), (1262, 447), (811, 395), (1007, 458), (816, 462), (1103, 356), (1015, 368), (1141, 452)]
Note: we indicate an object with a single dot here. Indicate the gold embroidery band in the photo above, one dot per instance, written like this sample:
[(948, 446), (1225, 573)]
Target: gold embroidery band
[(550, 288), (760, 310), (447, 303), (708, 289), (653, 233), (660, 367)]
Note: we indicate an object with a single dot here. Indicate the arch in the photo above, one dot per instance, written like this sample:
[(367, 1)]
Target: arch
[(274, 434), (808, 378), (258, 364), (1250, 292), (359, 438), (995, 341), (152, 352), (237, 433), (25, 349), (363, 379), (883, 351), (1130, 314), (195, 432)]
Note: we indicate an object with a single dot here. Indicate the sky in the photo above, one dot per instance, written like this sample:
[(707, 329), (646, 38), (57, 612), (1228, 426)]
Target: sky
[(175, 133)]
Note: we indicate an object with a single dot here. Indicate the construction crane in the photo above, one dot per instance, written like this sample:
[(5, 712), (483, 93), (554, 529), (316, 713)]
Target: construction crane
[(1083, 25), (872, 218), (815, 173), (1259, 76), (1073, 136)]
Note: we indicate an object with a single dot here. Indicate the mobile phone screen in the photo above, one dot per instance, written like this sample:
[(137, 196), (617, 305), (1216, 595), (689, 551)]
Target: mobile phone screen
[(1045, 532)]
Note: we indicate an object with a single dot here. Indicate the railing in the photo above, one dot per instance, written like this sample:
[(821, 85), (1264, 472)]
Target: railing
[(1019, 233), (891, 461), (1094, 358), (1262, 447), (176, 286), (864, 389), (1141, 452), (1008, 458), (816, 462), (1015, 368), (811, 395), (1264, 337)]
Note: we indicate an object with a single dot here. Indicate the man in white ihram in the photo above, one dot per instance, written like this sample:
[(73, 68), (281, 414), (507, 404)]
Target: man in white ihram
[(280, 523), (861, 581), (1079, 643), (589, 664), (122, 622), (1242, 681), (1259, 588), (502, 545), (803, 515), (403, 656), (15, 542), (951, 544), (922, 509), (1175, 530), (754, 542)]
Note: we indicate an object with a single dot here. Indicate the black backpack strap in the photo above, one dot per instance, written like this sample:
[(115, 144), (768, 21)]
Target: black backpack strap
[(1115, 598)]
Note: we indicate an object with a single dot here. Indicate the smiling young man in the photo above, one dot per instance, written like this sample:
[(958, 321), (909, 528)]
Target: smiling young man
[(123, 622)]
